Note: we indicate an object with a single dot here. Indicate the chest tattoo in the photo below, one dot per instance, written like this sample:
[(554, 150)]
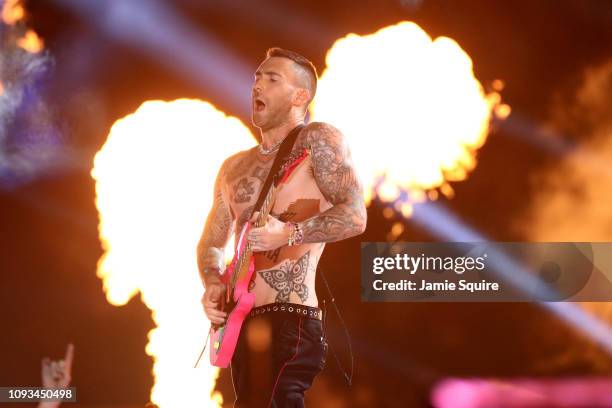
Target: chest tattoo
[(243, 190)]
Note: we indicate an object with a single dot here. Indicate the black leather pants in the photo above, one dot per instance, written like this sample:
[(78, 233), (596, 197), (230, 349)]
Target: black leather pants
[(276, 360)]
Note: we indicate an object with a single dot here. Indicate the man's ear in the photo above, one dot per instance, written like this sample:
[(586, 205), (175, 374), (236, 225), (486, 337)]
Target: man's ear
[(301, 97)]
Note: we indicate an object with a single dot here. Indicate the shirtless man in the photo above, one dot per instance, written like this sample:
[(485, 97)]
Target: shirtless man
[(321, 202)]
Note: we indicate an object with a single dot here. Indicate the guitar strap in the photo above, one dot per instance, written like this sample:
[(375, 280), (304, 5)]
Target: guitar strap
[(283, 151)]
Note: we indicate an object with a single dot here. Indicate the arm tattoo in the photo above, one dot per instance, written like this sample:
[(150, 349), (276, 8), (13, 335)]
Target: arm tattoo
[(217, 231), (289, 278), (337, 180), (243, 218)]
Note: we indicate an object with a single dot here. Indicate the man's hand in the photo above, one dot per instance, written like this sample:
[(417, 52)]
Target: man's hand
[(272, 235), (57, 374), (213, 301)]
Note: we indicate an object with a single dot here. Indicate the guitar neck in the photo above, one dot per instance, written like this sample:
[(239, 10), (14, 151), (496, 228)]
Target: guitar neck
[(259, 222)]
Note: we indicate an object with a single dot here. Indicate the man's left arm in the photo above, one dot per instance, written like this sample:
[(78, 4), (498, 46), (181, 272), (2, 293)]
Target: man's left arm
[(337, 180)]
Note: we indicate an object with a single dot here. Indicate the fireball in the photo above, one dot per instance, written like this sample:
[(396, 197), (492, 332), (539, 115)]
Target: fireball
[(411, 108), (154, 185)]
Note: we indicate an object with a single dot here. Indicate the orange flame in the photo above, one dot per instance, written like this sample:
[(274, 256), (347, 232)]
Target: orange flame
[(31, 42), (12, 11), (154, 186), (411, 108)]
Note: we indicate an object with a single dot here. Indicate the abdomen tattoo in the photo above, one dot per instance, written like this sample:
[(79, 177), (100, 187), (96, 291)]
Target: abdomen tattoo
[(290, 277)]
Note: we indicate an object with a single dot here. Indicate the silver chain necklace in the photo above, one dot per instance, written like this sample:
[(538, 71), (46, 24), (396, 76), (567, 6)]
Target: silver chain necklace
[(271, 150)]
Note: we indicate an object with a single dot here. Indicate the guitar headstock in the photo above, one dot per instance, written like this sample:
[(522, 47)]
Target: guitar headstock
[(290, 164)]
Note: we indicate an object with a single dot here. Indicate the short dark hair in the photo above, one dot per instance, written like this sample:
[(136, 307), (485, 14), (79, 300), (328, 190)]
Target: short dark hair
[(303, 63)]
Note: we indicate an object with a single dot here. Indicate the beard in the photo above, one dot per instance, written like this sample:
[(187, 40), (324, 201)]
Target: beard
[(271, 116)]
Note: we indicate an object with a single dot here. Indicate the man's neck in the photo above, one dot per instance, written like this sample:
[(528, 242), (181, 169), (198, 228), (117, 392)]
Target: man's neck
[(271, 137)]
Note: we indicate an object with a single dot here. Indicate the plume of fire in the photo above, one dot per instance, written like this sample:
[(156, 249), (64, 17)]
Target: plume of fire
[(413, 112), (30, 42), (13, 13), (154, 185)]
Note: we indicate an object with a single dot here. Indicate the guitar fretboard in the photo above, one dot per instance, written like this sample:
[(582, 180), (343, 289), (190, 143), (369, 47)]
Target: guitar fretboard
[(260, 222)]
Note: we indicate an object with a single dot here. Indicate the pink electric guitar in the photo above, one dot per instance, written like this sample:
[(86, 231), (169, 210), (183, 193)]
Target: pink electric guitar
[(238, 301)]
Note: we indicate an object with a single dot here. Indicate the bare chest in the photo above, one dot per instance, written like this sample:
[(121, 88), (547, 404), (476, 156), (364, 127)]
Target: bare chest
[(297, 199)]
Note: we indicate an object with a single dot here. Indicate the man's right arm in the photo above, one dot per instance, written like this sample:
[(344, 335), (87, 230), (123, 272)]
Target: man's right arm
[(210, 256), (217, 231)]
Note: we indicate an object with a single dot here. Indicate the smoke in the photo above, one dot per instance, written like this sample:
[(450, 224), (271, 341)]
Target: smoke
[(572, 198), (28, 135)]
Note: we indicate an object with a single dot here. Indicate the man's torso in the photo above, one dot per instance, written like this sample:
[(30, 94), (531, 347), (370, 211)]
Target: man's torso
[(286, 274)]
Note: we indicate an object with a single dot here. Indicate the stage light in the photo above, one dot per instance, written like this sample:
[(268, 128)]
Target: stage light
[(446, 226), (160, 31)]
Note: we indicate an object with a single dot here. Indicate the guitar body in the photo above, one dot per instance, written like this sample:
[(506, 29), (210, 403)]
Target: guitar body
[(223, 338)]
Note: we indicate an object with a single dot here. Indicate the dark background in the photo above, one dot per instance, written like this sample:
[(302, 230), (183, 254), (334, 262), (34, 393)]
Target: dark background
[(50, 294)]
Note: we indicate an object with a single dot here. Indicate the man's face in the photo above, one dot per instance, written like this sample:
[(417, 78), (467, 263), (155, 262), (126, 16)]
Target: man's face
[(272, 92)]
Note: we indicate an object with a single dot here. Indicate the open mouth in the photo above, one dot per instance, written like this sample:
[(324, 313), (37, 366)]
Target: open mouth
[(259, 105)]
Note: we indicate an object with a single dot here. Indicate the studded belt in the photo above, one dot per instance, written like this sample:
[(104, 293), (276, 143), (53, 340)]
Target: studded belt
[(289, 308)]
